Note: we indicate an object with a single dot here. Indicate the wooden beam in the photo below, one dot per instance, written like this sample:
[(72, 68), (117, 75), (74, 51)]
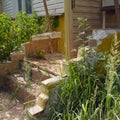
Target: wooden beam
[(117, 11), (68, 28), (47, 15)]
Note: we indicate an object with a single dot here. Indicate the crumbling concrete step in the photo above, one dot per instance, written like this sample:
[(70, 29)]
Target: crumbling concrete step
[(35, 110), (39, 106), (36, 107), (39, 75), (23, 90), (53, 82)]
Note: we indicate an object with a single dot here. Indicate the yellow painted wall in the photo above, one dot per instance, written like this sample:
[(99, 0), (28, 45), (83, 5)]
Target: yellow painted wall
[(106, 43), (60, 28)]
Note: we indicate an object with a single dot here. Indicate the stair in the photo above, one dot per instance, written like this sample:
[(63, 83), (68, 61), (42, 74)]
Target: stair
[(32, 85), (34, 93)]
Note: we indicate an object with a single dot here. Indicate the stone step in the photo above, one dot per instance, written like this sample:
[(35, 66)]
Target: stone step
[(35, 110), (38, 75), (36, 107), (39, 106), (23, 90)]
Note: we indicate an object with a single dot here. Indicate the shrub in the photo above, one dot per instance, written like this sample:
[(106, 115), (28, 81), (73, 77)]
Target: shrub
[(15, 32), (88, 95), (20, 30), (6, 45), (24, 27)]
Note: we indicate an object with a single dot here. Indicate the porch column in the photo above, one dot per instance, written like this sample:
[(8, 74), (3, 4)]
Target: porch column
[(68, 28)]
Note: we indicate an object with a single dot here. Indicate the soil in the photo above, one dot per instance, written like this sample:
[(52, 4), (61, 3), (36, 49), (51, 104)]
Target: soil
[(51, 63), (10, 108)]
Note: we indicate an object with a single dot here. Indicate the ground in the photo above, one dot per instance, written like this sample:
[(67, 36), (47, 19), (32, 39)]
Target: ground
[(10, 109)]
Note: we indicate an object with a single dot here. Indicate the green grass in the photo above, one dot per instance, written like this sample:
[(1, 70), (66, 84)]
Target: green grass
[(88, 94)]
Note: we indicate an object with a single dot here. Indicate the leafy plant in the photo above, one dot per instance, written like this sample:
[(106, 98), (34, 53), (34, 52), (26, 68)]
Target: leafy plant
[(6, 43), (87, 94), (27, 73), (24, 27), (43, 26), (84, 30), (41, 54), (15, 32)]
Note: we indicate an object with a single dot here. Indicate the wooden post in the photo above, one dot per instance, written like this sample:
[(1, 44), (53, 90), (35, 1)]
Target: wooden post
[(104, 19), (47, 15), (68, 28), (49, 23), (117, 11)]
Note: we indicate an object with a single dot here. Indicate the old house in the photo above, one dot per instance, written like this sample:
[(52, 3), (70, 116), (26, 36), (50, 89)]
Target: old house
[(97, 12)]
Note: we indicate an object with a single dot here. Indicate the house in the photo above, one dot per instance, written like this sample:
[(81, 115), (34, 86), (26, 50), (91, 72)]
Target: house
[(109, 17), (97, 12), (55, 7), (12, 7), (0, 6)]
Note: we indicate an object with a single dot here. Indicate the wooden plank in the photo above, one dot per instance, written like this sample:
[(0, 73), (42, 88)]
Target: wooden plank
[(85, 9), (87, 3), (50, 7), (51, 12), (7, 7), (87, 15), (54, 7)]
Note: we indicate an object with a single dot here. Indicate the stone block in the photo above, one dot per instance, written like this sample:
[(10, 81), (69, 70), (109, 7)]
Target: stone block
[(9, 67), (17, 56), (39, 76), (50, 35), (42, 99), (52, 82)]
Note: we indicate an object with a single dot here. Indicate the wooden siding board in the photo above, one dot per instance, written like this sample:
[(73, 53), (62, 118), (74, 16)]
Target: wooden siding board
[(87, 3), (54, 7), (9, 7), (90, 9)]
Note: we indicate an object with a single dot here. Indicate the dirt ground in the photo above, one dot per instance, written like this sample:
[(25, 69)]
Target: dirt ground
[(10, 108), (51, 63)]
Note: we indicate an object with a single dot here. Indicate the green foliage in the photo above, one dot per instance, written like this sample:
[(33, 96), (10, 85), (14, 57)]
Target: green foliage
[(5, 36), (40, 54), (43, 23), (27, 70), (87, 94), (84, 30), (15, 32), (24, 27)]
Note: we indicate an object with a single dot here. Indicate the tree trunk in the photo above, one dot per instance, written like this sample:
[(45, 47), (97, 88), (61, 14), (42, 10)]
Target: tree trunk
[(47, 15), (117, 11)]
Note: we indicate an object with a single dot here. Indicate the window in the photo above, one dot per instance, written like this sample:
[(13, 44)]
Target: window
[(28, 6), (19, 5), (25, 5)]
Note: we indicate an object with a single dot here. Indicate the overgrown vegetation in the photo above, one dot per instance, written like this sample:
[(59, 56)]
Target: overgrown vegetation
[(92, 88), (90, 95), (15, 32)]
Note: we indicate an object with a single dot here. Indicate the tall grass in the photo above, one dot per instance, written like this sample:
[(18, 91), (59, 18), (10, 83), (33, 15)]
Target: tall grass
[(88, 94)]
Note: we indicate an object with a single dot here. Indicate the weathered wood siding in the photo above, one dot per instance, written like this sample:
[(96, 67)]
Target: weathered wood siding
[(106, 3), (89, 9), (0, 6), (55, 7), (10, 7), (110, 20)]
